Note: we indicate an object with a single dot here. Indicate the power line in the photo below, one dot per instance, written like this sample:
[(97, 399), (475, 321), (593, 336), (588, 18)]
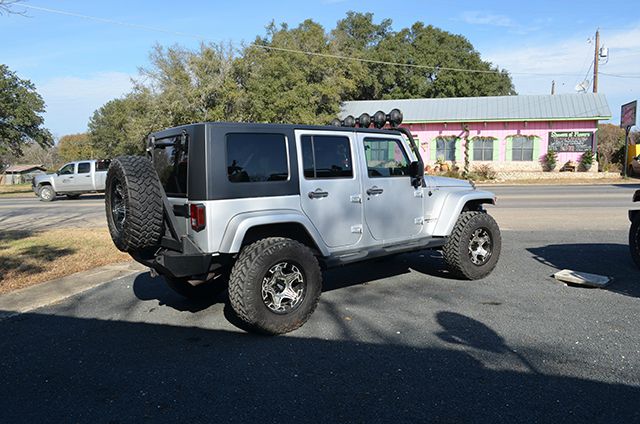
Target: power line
[(295, 51)]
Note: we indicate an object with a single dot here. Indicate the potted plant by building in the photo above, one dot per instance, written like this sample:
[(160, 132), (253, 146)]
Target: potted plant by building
[(586, 161), (550, 160)]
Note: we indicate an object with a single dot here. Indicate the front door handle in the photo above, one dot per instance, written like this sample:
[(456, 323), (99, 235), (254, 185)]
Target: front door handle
[(374, 191), (318, 194)]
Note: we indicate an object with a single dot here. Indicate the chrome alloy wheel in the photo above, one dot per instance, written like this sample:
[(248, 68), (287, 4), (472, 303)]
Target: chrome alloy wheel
[(283, 288), (480, 246), (118, 208)]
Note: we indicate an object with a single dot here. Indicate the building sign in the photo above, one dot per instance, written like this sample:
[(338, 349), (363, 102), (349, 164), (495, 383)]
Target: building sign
[(570, 141), (628, 114)]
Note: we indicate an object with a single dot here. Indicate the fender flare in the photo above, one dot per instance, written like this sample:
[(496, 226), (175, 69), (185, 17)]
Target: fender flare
[(453, 205), (239, 225)]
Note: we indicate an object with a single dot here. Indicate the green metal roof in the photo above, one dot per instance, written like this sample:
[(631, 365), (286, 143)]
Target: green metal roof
[(558, 107)]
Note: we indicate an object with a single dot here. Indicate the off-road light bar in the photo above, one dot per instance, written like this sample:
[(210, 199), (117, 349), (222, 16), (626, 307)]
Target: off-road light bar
[(379, 120)]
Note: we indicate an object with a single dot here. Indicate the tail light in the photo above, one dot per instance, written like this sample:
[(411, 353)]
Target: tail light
[(197, 216)]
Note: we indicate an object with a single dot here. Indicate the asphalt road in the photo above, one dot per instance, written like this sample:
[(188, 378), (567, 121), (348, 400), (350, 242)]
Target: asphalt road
[(394, 340)]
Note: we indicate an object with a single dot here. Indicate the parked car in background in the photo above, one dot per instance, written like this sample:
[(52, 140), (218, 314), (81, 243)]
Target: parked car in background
[(72, 180)]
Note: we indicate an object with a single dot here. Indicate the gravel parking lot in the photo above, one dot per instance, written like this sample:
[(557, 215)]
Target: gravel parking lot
[(393, 340)]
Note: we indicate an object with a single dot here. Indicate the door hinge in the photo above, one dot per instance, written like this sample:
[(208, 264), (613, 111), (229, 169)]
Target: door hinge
[(356, 229), (418, 221), (418, 193), (355, 198)]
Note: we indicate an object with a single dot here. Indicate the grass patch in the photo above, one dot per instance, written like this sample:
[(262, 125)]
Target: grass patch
[(16, 190), (28, 258)]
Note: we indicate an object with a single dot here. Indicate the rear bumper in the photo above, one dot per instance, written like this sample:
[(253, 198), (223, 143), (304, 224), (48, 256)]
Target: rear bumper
[(179, 260)]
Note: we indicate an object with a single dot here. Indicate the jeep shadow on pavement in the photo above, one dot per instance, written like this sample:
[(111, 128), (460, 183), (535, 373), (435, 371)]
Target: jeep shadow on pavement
[(261, 208)]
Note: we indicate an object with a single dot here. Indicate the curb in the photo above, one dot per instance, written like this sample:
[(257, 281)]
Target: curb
[(53, 291)]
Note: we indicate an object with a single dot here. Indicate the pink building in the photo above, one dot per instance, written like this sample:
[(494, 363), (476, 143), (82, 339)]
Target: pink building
[(508, 132)]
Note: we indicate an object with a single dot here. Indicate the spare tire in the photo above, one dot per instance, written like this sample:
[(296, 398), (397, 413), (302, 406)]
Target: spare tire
[(133, 201)]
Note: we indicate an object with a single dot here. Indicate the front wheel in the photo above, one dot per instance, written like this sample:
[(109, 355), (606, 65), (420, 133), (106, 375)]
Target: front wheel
[(275, 285), (473, 248), (46, 193), (634, 239)]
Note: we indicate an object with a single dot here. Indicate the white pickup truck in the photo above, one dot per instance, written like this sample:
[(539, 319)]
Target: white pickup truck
[(72, 180)]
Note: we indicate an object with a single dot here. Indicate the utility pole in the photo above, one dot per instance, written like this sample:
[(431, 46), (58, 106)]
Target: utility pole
[(596, 59), (553, 87)]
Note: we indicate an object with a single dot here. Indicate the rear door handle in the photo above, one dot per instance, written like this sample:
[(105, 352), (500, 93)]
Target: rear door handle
[(374, 191), (318, 194)]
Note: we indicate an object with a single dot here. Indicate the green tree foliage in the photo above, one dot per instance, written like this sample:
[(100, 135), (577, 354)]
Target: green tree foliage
[(610, 144), (267, 81), (75, 147), (21, 109)]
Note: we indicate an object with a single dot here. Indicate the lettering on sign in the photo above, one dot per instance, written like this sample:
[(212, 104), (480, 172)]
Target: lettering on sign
[(570, 141)]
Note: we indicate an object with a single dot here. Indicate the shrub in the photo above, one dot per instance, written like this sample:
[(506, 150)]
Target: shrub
[(586, 160), (550, 160), (484, 172)]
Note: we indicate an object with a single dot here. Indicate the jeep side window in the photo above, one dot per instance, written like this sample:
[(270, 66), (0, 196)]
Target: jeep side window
[(257, 157), (67, 169), (326, 156), (385, 158)]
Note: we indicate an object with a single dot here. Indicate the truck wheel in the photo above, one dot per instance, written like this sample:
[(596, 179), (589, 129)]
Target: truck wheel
[(208, 289), (473, 247), (46, 193), (634, 239), (275, 285), (133, 203)]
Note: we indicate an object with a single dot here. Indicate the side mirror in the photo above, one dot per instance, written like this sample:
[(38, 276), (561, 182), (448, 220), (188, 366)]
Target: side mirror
[(58, 172), (414, 169)]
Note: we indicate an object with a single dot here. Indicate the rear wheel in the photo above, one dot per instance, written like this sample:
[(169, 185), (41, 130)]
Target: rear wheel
[(275, 285), (46, 193), (473, 248), (133, 203)]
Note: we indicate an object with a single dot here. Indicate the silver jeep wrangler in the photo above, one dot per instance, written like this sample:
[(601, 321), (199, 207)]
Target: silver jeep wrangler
[(262, 208)]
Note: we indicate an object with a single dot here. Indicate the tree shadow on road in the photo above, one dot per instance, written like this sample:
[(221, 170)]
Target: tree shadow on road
[(610, 259), (19, 257), (68, 369)]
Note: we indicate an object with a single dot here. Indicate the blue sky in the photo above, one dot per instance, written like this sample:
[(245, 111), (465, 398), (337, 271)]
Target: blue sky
[(78, 64)]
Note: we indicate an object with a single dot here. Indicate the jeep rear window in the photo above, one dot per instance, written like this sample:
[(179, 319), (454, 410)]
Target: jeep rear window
[(257, 157), (170, 160), (326, 156)]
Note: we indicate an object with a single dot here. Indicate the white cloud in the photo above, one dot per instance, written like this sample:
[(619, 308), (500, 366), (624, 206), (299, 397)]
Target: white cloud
[(475, 17), (566, 61), (70, 101)]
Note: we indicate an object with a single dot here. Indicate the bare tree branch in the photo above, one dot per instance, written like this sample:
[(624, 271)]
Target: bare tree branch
[(8, 7)]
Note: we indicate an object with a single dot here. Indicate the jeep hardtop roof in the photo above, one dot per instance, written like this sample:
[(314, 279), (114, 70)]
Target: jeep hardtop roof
[(169, 132)]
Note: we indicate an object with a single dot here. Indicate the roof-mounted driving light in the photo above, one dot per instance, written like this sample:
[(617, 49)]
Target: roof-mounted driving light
[(349, 121), (336, 123), (364, 120), (379, 119), (395, 117)]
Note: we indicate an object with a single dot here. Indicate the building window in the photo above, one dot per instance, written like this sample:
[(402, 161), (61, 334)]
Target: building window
[(521, 148), (446, 148), (482, 148)]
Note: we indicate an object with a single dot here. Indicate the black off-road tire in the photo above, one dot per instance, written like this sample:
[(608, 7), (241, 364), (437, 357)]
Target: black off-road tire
[(252, 266), (456, 250), (46, 193), (634, 239), (133, 184)]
